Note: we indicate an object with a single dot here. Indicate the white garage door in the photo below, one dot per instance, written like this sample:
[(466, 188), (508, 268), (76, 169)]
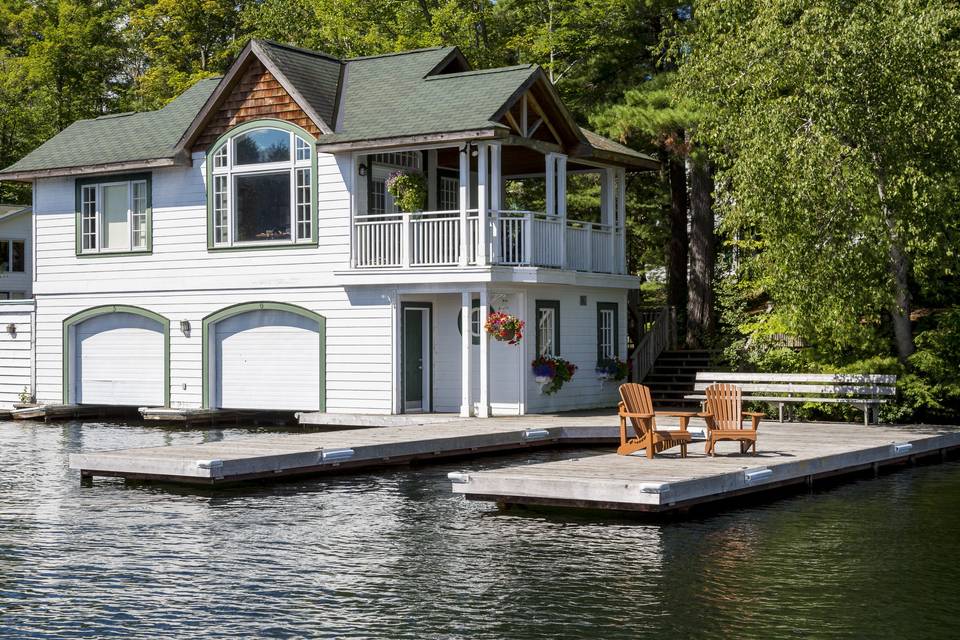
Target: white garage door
[(119, 361), (267, 360)]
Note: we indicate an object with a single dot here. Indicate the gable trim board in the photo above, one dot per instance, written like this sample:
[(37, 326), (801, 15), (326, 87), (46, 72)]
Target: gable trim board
[(208, 330), (69, 346)]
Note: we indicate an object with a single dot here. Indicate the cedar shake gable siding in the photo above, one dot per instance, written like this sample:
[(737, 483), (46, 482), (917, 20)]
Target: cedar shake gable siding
[(257, 95)]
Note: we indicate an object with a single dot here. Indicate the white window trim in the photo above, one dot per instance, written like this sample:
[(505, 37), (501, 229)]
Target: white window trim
[(547, 329), (98, 218), (607, 344), (291, 167)]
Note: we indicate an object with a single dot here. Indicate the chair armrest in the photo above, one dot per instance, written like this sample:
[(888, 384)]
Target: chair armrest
[(754, 418), (642, 416)]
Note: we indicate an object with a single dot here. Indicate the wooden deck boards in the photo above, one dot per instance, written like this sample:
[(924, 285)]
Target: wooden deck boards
[(264, 456), (788, 453)]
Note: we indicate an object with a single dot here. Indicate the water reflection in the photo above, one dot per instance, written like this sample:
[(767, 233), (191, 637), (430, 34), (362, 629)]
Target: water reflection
[(396, 555)]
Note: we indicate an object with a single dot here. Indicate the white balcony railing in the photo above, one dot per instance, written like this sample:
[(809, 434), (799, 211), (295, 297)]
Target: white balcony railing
[(516, 238)]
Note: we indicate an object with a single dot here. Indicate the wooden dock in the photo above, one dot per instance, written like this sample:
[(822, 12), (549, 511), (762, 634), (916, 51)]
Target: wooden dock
[(258, 457), (788, 454)]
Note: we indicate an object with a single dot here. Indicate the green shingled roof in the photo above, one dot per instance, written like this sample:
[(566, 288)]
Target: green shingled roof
[(315, 75), (391, 96), (125, 137), (360, 99), (605, 144)]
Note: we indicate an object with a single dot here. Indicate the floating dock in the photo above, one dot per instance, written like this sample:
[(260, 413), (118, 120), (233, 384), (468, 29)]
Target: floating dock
[(788, 454), (258, 457)]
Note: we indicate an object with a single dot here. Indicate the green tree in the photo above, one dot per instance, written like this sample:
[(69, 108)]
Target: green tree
[(836, 126), (170, 44)]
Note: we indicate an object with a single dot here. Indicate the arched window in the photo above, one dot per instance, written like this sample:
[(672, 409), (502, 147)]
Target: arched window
[(261, 186)]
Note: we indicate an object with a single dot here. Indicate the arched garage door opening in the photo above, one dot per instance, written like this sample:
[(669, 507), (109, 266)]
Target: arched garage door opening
[(116, 355), (265, 356)]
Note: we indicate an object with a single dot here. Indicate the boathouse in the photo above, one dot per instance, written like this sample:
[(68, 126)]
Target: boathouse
[(244, 248)]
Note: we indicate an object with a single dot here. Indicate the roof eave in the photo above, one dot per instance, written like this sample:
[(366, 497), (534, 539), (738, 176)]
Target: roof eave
[(82, 170), (623, 159), (413, 140)]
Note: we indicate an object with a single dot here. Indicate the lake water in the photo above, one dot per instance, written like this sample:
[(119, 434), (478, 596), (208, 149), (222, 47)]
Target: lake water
[(395, 555)]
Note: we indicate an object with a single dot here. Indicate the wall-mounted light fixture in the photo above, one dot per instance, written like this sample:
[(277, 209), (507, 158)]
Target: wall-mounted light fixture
[(362, 169), (185, 327), (12, 330)]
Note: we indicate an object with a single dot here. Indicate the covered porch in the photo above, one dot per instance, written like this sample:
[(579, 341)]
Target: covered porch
[(490, 202)]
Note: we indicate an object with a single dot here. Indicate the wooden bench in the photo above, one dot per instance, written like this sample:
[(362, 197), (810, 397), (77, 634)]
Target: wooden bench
[(867, 391)]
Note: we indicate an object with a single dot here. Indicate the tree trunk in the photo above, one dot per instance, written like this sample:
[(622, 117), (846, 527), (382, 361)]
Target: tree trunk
[(677, 254), (899, 267), (700, 324)]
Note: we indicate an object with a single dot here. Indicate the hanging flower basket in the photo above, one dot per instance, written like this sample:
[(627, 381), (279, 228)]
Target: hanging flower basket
[(552, 373), (409, 190), (505, 327), (612, 369)]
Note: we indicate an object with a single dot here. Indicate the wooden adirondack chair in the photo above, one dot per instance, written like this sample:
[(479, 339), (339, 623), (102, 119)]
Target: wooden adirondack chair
[(637, 405), (724, 417)]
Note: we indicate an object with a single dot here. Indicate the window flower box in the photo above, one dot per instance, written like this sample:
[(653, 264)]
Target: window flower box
[(551, 373)]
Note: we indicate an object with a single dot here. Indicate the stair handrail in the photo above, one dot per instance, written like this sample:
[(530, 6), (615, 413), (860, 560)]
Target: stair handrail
[(651, 345)]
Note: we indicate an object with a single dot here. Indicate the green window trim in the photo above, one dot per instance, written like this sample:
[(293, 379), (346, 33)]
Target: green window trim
[(207, 335), (80, 183), (615, 308), (72, 321), (548, 304), (265, 123)]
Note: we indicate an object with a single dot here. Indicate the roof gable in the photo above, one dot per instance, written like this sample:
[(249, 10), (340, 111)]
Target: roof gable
[(256, 94), (308, 79)]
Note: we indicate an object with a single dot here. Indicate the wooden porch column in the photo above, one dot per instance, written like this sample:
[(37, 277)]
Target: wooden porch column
[(431, 180), (610, 214), (464, 205), (483, 183), (561, 204), (466, 342), (484, 409), (621, 213), (551, 184), (496, 187)]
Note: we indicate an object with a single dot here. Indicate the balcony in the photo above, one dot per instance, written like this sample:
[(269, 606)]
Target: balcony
[(470, 228), (515, 238)]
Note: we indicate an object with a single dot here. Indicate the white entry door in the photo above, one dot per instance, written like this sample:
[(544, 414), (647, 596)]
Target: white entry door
[(119, 360), (267, 359)]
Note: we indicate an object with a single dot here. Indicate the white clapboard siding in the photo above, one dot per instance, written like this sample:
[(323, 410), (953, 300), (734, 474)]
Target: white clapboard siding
[(578, 344), (19, 282), (15, 351), (119, 361), (180, 258), (267, 360), (359, 329)]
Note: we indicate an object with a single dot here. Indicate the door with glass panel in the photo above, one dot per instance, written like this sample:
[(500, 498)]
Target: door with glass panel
[(415, 357)]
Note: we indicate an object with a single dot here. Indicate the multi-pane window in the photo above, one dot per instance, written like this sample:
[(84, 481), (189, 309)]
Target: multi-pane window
[(303, 203), (449, 193), (607, 325), (403, 159), (548, 328), (115, 215), (12, 256), (378, 196), (262, 189)]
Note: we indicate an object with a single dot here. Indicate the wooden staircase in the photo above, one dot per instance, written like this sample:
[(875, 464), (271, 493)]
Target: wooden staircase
[(674, 374)]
